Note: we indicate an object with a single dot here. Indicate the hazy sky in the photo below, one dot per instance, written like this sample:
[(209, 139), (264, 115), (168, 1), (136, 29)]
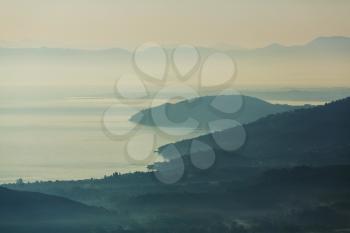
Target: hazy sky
[(127, 23)]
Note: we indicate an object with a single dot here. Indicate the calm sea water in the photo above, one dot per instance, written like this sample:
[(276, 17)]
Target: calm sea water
[(59, 135)]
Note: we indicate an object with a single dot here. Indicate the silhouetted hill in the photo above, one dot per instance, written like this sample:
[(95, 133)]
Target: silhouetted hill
[(23, 211), (335, 46), (313, 136), (209, 109)]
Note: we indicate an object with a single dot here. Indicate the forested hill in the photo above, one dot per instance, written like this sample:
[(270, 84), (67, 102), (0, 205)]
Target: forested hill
[(312, 136), (243, 109), (22, 211)]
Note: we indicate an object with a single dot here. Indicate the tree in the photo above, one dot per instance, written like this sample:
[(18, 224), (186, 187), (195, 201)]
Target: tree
[(19, 181)]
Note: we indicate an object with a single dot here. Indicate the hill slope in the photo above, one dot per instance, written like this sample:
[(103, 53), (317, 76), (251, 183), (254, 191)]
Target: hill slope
[(38, 212), (208, 109), (314, 136)]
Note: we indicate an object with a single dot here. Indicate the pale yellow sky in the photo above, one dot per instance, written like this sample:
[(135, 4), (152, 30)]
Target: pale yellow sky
[(128, 23)]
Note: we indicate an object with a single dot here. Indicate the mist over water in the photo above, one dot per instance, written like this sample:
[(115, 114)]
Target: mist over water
[(51, 108), (55, 133)]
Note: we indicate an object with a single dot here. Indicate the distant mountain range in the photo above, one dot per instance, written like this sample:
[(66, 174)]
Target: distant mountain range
[(322, 62), (321, 46), (44, 51), (203, 110), (339, 43)]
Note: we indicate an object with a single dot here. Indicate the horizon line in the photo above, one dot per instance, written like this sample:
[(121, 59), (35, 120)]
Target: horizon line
[(172, 46)]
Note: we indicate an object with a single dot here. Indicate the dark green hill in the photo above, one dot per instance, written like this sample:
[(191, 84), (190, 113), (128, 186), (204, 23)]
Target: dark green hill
[(22, 211), (313, 136), (207, 109)]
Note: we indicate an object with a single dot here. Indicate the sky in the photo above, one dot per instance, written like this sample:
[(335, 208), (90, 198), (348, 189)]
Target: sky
[(128, 23)]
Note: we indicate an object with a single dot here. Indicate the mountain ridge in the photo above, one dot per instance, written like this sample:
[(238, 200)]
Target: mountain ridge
[(208, 109), (317, 40), (321, 131)]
